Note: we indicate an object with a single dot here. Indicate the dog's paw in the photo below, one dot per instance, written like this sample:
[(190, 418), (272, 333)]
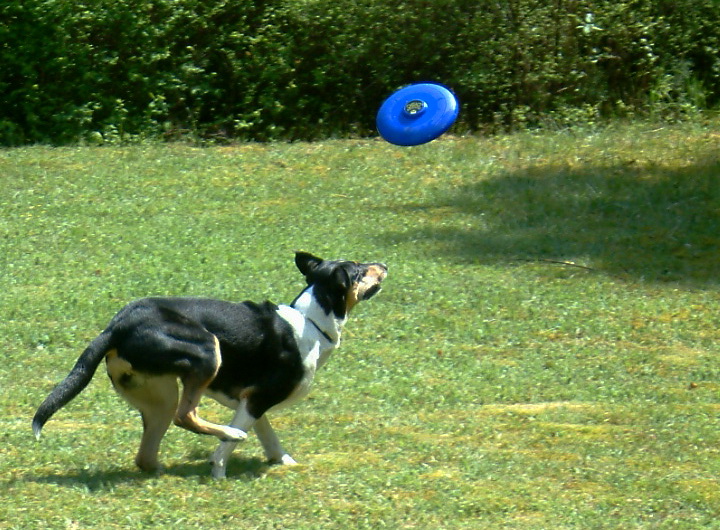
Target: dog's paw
[(231, 434), (284, 460)]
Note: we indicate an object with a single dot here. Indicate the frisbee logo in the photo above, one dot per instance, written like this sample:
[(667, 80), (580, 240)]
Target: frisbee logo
[(415, 107), (417, 114)]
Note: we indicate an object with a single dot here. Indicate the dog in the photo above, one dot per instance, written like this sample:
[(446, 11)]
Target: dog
[(253, 358)]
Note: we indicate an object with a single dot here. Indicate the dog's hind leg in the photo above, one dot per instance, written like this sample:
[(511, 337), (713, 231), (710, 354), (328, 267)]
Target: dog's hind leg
[(157, 416), (156, 397), (194, 385), (271, 443), (242, 421)]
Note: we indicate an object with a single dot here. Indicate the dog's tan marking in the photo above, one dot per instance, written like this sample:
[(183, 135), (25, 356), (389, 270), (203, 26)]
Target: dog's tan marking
[(117, 367), (157, 401), (245, 393), (156, 397), (352, 297)]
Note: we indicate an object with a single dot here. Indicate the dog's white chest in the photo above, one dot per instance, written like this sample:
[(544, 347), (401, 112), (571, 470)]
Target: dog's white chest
[(314, 350), (305, 384), (313, 345)]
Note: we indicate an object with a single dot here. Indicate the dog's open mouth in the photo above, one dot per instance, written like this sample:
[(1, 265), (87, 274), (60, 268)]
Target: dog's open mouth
[(371, 291)]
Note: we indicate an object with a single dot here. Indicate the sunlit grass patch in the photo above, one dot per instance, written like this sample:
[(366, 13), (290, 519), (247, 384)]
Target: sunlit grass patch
[(542, 354)]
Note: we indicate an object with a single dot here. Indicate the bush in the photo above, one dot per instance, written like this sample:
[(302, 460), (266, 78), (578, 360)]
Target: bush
[(304, 69)]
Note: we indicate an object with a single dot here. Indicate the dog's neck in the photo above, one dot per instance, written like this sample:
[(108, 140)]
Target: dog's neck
[(327, 323)]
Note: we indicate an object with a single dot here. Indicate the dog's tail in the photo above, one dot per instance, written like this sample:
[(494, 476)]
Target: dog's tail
[(74, 383)]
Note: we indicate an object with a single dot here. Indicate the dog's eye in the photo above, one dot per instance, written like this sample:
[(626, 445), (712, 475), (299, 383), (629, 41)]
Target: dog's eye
[(360, 275)]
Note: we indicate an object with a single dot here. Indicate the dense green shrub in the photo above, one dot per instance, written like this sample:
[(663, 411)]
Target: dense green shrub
[(94, 69)]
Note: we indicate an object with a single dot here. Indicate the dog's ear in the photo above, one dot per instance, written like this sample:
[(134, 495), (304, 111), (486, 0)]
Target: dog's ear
[(342, 279), (306, 262)]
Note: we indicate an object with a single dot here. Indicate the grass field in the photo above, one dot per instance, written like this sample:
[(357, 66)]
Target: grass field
[(543, 354)]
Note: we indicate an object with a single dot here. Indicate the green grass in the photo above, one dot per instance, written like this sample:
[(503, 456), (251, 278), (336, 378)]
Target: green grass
[(487, 386)]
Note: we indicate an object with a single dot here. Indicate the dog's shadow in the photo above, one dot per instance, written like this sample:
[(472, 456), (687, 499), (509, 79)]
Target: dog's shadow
[(243, 469)]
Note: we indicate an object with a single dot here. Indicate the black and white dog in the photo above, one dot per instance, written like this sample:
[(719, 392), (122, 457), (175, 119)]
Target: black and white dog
[(250, 357)]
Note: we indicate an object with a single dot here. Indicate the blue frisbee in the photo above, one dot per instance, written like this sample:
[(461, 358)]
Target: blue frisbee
[(417, 114)]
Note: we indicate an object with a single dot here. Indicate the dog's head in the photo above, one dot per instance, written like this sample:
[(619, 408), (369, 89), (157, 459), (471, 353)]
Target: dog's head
[(339, 285)]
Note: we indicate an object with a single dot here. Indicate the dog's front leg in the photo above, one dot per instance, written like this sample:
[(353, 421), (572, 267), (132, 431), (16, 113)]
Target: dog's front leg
[(244, 421), (271, 444)]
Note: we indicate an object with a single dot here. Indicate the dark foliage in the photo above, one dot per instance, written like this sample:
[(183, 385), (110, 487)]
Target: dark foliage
[(306, 69)]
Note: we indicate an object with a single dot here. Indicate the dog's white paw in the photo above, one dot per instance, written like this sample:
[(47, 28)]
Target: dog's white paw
[(234, 435), (284, 460)]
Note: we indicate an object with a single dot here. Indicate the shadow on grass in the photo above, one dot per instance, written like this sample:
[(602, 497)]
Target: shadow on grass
[(238, 469), (635, 220)]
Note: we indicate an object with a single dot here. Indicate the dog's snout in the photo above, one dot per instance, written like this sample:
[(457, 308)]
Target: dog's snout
[(378, 271), (383, 268)]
